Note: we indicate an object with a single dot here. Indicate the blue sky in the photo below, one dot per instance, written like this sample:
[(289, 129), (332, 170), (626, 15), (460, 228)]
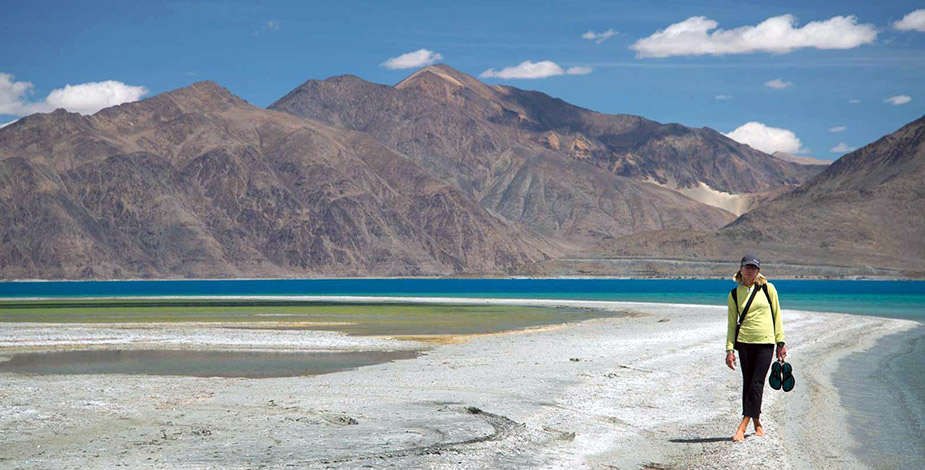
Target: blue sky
[(261, 50)]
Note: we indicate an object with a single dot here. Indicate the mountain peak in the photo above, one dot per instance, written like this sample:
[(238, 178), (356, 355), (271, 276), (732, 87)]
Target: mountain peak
[(346, 78), (198, 97), (441, 81), (441, 71), (204, 94)]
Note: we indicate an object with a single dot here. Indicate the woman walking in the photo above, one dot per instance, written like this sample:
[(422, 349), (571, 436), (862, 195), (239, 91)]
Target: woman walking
[(755, 326)]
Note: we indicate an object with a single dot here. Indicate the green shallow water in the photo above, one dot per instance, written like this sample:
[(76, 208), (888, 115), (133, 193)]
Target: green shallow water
[(247, 364), (351, 318), (388, 319)]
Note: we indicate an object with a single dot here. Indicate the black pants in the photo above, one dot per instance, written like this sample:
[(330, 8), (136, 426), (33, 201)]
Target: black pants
[(755, 360)]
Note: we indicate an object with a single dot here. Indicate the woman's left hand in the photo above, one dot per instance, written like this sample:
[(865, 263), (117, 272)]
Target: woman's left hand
[(782, 352)]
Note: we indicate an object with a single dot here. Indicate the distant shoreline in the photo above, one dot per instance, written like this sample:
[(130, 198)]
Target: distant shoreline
[(462, 278)]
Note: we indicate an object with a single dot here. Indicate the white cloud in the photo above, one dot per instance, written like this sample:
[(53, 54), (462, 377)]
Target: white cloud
[(898, 100), (841, 148), (777, 84), (914, 21), (776, 35), (13, 95), (767, 139), (578, 70), (600, 37), (84, 98), (837, 129), (527, 69), (88, 98), (418, 58), (723, 97), (854, 101), (272, 24)]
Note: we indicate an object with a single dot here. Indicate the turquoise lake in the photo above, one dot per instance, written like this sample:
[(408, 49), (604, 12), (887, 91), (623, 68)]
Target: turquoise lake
[(895, 299)]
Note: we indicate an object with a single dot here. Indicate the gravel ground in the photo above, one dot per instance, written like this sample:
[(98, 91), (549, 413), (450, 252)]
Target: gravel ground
[(647, 390)]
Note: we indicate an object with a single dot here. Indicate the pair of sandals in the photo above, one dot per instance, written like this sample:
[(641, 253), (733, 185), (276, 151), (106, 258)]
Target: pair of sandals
[(781, 376)]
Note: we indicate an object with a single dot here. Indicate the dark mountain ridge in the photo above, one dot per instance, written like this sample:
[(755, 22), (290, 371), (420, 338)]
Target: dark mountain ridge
[(504, 116), (198, 183), (459, 129)]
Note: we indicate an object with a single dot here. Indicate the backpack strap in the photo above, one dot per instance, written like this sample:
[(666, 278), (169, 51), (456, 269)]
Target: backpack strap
[(744, 312), (764, 287)]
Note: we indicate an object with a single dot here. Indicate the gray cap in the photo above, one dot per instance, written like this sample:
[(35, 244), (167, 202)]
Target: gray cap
[(750, 259)]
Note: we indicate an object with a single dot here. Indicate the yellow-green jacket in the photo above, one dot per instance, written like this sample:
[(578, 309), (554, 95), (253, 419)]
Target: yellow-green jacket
[(756, 328)]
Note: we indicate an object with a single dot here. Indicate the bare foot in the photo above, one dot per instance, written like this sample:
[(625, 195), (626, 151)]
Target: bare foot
[(740, 432), (759, 429)]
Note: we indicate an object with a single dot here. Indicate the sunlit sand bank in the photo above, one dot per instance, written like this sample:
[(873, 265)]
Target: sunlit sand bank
[(646, 387)]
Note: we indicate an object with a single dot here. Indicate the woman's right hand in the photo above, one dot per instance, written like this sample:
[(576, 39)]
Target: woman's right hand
[(731, 360)]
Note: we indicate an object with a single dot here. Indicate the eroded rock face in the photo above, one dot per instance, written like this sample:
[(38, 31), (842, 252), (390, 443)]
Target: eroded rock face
[(550, 140), (581, 149), (197, 183)]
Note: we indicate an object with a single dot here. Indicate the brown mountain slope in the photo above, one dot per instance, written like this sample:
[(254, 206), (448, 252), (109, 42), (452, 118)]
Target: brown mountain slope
[(470, 134), (864, 210), (457, 125), (198, 183)]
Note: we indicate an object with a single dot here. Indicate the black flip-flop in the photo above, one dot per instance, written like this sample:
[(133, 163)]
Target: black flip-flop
[(787, 379), (774, 380)]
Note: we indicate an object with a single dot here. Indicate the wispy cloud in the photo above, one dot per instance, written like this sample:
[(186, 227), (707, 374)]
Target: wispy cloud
[(841, 148), (599, 37), (898, 100), (84, 98), (914, 21), (838, 129), (578, 70), (778, 84), (776, 35), (411, 60), (272, 24), (766, 138), (723, 97), (534, 70), (854, 101)]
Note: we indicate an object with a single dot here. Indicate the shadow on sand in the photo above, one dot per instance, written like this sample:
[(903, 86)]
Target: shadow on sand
[(701, 440)]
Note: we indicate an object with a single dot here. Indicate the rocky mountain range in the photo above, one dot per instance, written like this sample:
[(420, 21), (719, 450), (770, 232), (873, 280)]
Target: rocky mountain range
[(478, 135), (440, 174), (861, 216), (198, 183)]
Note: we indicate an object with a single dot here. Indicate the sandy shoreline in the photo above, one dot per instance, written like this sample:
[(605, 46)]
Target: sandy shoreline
[(606, 393)]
